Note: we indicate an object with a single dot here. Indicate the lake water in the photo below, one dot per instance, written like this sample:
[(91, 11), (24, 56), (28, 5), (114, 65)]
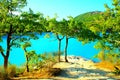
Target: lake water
[(43, 45)]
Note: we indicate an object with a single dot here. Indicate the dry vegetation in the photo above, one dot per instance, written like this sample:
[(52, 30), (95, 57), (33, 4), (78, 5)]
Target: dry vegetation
[(44, 73), (48, 71), (105, 66)]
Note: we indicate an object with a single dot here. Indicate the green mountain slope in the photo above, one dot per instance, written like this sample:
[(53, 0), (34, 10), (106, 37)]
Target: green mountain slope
[(89, 16)]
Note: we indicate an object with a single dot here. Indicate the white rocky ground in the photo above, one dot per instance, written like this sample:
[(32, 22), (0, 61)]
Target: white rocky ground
[(79, 68)]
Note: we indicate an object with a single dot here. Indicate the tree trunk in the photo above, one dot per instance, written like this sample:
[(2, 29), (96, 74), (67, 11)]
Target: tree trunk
[(119, 49), (8, 48), (66, 49), (59, 48), (9, 34), (5, 62), (27, 66)]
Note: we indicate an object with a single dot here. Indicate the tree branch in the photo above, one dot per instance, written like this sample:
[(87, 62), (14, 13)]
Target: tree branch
[(62, 37), (2, 54), (59, 37)]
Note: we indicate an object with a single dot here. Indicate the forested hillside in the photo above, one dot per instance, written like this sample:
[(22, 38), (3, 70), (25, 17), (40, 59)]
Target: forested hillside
[(89, 16)]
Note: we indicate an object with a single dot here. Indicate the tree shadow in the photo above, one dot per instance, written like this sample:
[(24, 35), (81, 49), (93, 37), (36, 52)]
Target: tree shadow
[(83, 72)]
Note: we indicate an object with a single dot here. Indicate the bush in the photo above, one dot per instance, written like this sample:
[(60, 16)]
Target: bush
[(116, 71), (6, 75), (19, 71), (111, 57), (11, 70), (3, 74), (44, 60), (49, 59)]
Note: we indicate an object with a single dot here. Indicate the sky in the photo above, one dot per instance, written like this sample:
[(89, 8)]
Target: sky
[(64, 8)]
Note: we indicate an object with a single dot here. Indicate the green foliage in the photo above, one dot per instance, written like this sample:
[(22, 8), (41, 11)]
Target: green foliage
[(86, 30), (101, 45), (110, 56), (14, 25), (33, 22), (106, 53), (109, 25), (30, 55), (33, 58), (26, 44), (91, 26), (38, 60), (46, 59), (101, 55), (19, 71), (113, 58), (1, 49), (47, 36), (109, 32)]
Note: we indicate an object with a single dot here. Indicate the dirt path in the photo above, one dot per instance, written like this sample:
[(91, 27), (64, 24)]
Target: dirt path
[(80, 69)]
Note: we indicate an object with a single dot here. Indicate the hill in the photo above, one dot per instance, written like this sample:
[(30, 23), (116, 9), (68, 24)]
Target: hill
[(89, 16)]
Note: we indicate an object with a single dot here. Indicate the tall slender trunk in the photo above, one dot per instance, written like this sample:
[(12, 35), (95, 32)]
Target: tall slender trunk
[(66, 49), (9, 34), (8, 48), (59, 48), (119, 49), (27, 66)]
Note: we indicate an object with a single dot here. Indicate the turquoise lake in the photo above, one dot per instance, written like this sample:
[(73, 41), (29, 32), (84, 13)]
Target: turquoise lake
[(43, 45)]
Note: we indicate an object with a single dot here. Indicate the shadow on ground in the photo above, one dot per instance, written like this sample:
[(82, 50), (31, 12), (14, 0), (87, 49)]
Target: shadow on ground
[(76, 73)]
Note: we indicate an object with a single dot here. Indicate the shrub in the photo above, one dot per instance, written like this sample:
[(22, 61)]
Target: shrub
[(3, 74), (116, 71), (11, 71), (44, 60), (111, 57), (6, 75), (19, 71)]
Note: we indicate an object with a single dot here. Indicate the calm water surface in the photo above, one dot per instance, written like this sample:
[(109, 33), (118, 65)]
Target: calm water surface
[(43, 45)]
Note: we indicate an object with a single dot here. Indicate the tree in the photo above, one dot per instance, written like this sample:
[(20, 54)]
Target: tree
[(17, 28), (29, 54), (55, 27), (104, 48), (24, 46), (109, 24), (34, 22), (8, 24), (107, 28), (69, 30)]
